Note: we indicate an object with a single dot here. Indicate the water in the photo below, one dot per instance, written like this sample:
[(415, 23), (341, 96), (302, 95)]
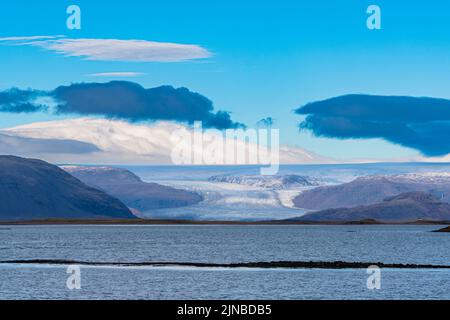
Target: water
[(223, 244)]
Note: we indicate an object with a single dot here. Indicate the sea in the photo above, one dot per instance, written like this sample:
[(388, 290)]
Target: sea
[(411, 244)]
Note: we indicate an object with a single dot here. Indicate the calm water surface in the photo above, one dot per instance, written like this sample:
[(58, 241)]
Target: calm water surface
[(394, 244)]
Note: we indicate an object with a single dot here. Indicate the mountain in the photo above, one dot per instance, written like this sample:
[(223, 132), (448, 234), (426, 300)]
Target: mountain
[(130, 189), (33, 189), (406, 207), (277, 182), (373, 189)]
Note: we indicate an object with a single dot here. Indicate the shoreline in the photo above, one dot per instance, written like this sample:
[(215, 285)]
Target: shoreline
[(447, 229), (132, 222)]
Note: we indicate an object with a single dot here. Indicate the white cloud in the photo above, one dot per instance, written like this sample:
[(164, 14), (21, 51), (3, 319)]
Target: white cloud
[(443, 159), (114, 49), (30, 38), (125, 143), (116, 74)]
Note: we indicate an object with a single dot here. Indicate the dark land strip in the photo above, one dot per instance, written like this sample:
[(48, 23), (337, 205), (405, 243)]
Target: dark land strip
[(263, 265)]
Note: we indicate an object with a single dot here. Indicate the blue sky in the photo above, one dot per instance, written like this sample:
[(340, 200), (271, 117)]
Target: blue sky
[(268, 57)]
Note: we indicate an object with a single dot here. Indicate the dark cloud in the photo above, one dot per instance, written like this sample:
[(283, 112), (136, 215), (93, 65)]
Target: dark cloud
[(20, 101), (266, 122), (130, 101), (419, 123), (122, 100)]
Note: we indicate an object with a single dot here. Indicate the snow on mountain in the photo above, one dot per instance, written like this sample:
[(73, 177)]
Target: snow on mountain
[(422, 177), (277, 182)]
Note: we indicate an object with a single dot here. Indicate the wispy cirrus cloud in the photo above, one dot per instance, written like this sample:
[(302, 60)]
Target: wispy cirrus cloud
[(114, 49), (30, 38), (116, 74)]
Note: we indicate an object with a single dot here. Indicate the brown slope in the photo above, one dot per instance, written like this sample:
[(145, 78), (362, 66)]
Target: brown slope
[(33, 189)]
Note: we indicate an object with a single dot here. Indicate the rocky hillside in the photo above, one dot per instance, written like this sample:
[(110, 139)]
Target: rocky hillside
[(406, 207), (129, 188), (33, 189), (374, 189)]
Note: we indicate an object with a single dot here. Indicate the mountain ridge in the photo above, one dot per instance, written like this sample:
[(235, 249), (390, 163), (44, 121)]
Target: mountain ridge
[(138, 195), (276, 182), (373, 189), (35, 189), (405, 207)]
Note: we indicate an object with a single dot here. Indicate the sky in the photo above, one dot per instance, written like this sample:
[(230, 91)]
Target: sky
[(255, 59)]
